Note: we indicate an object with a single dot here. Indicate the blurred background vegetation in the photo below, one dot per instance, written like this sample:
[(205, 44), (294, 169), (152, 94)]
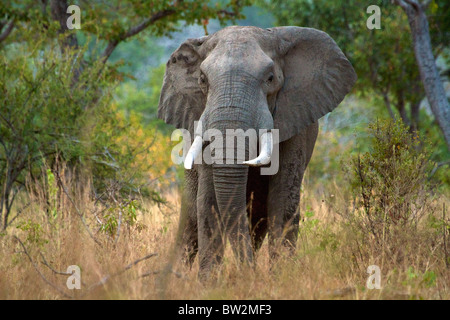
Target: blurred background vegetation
[(88, 98)]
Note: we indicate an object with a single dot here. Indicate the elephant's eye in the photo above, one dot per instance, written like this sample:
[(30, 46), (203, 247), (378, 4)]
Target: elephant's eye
[(203, 82), (202, 79), (270, 78)]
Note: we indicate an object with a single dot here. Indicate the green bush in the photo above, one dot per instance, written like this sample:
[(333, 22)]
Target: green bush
[(390, 182), (52, 117)]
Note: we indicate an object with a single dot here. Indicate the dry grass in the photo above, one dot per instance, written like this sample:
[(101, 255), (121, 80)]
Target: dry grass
[(330, 263)]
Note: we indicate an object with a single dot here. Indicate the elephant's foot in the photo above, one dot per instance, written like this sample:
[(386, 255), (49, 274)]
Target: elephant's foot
[(188, 254), (281, 247), (209, 267)]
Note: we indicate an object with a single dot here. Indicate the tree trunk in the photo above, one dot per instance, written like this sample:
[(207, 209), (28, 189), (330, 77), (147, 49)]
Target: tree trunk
[(427, 67), (59, 13)]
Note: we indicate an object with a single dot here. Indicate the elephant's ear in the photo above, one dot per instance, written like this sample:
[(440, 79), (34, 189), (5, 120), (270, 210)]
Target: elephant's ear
[(182, 101), (317, 76)]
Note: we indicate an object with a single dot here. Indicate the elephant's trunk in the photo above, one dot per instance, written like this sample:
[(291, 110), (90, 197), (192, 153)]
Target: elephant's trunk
[(230, 183)]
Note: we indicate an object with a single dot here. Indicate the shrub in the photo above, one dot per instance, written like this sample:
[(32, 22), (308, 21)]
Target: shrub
[(51, 115), (390, 182)]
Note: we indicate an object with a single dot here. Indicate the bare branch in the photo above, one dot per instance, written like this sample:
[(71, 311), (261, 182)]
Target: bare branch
[(438, 165), (62, 273), (40, 273), (151, 273), (413, 3), (129, 266), (402, 4), (408, 4), (387, 102), (18, 213), (76, 208), (426, 3), (227, 13)]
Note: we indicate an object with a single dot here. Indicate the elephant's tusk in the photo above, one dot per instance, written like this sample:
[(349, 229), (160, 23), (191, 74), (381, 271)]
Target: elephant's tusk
[(266, 151), (193, 152)]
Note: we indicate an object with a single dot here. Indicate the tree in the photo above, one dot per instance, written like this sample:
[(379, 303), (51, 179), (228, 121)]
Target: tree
[(117, 20), (55, 87), (383, 59), (41, 115), (431, 80)]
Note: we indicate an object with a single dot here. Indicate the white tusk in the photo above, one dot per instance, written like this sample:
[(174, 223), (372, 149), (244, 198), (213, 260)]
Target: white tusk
[(266, 151), (193, 152)]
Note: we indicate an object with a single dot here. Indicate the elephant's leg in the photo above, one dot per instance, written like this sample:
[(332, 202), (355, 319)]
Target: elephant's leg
[(188, 237), (257, 191), (210, 243), (283, 214), (284, 190)]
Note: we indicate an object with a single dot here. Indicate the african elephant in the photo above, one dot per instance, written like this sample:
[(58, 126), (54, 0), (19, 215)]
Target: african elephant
[(283, 79)]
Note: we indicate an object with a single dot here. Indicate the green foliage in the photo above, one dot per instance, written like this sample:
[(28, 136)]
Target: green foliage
[(45, 114), (144, 98), (390, 182), (336, 139), (118, 215), (34, 232), (40, 107), (132, 157), (110, 225), (383, 59), (137, 55), (43, 111), (313, 228), (52, 193), (428, 278), (111, 20), (56, 95)]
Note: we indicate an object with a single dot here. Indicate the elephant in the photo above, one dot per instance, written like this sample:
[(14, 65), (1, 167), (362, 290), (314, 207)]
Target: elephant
[(281, 78)]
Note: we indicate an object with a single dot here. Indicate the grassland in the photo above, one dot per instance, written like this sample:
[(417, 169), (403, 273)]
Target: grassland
[(333, 254)]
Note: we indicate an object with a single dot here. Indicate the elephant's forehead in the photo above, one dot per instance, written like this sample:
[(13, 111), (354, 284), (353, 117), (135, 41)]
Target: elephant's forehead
[(237, 35), (244, 56), (247, 48), (237, 31)]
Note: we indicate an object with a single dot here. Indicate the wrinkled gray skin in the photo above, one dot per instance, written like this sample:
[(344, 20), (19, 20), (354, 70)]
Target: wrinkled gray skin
[(246, 77)]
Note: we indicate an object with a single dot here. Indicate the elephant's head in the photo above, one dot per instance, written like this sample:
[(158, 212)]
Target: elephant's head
[(282, 78)]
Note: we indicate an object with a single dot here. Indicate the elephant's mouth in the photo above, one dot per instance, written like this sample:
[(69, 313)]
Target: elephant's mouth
[(262, 159)]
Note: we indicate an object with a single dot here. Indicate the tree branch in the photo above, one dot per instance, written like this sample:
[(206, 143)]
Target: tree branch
[(80, 214), (413, 3), (45, 263), (40, 273), (59, 13), (440, 164), (106, 278), (227, 13), (426, 3), (134, 31)]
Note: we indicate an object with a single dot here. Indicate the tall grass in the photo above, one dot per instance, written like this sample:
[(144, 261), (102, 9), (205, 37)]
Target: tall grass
[(331, 260)]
